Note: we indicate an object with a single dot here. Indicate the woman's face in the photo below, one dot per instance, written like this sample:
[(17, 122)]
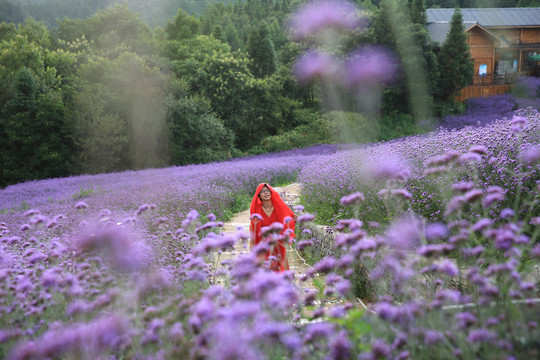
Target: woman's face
[(265, 194)]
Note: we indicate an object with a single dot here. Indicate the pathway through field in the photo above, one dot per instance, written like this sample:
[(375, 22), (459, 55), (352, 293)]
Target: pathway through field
[(289, 194)]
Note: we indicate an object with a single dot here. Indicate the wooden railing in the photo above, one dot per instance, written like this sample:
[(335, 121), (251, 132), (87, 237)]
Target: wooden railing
[(475, 91), (495, 79)]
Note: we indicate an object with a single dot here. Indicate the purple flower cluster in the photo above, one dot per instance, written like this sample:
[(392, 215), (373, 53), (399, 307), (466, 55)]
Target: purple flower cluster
[(458, 241), (318, 23), (113, 263)]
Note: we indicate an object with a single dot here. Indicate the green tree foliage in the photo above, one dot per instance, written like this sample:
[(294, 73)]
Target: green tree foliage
[(196, 133), (455, 63), (35, 144), (260, 49), (402, 29), (120, 91), (217, 33), (183, 26), (100, 136), (35, 85), (11, 12), (246, 105), (7, 31), (232, 37)]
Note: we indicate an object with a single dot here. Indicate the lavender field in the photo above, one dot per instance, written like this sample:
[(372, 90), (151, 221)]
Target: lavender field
[(421, 247), (121, 265)]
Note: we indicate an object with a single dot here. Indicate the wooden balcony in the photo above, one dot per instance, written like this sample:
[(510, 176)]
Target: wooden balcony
[(487, 85), (495, 79)]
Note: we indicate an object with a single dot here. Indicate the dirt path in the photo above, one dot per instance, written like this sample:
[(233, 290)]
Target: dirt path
[(240, 221)]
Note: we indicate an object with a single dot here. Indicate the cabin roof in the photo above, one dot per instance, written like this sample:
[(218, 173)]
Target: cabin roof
[(490, 17), (438, 23)]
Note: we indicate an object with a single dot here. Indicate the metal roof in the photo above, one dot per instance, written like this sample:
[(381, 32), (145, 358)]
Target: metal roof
[(439, 30), (438, 23), (490, 17)]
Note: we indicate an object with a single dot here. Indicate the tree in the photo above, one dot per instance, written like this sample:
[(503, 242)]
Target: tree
[(183, 26), (217, 33), (11, 12), (36, 143), (455, 63), (196, 134), (260, 49), (231, 35), (417, 11)]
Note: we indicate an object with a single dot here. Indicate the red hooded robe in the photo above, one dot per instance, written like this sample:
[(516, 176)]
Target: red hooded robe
[(281, 211)]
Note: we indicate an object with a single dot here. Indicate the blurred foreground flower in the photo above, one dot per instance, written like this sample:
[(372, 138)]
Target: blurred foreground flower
[(86, 340), (318, 15), (369, 66), (315, 64)]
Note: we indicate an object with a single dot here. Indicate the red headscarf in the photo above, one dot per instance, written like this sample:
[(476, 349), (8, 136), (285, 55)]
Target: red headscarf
[(282, 210)]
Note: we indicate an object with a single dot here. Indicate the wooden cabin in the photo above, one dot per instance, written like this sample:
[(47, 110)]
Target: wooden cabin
[(504, 44)]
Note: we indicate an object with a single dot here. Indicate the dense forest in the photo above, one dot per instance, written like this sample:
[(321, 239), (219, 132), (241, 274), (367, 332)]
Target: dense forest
[(104, 88)]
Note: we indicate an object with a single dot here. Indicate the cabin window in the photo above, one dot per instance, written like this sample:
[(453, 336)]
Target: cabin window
[(482, 70)]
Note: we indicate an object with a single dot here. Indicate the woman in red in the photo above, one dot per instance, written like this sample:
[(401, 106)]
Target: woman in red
[(271, 209)]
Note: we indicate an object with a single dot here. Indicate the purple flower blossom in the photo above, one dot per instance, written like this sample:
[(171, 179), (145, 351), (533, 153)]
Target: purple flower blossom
[(306, 218), (340, 346), (532, 154), (507, 213), (352, 199), (447, 267), (481, 335), (320, 14), (326, 265), (435, 231), (370, 65), (81, 205), (466, 319), (479, 149), (314, 64)]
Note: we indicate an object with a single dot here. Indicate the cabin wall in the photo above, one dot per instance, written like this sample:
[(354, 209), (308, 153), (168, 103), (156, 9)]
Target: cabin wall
[(482, 53), (530, 36)]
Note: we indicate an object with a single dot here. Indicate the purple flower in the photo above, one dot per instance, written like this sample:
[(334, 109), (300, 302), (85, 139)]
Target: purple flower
[(306, 218), (482, 224), (447, 267), (142, 209), (536, 251), (318, 330), (81, 205), (463, 186), (432, 337), (326, 265), (466, 319), (518, 122), (481, 335), (473, 195), (404, 233), (315, 64), (402, 193), (532, 154), (320, 14), (256, 216), (507, 213), (340, 346), (370, 65), (479, 149), (430, 250), (436, 231), (380, 349), (352, 199)]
